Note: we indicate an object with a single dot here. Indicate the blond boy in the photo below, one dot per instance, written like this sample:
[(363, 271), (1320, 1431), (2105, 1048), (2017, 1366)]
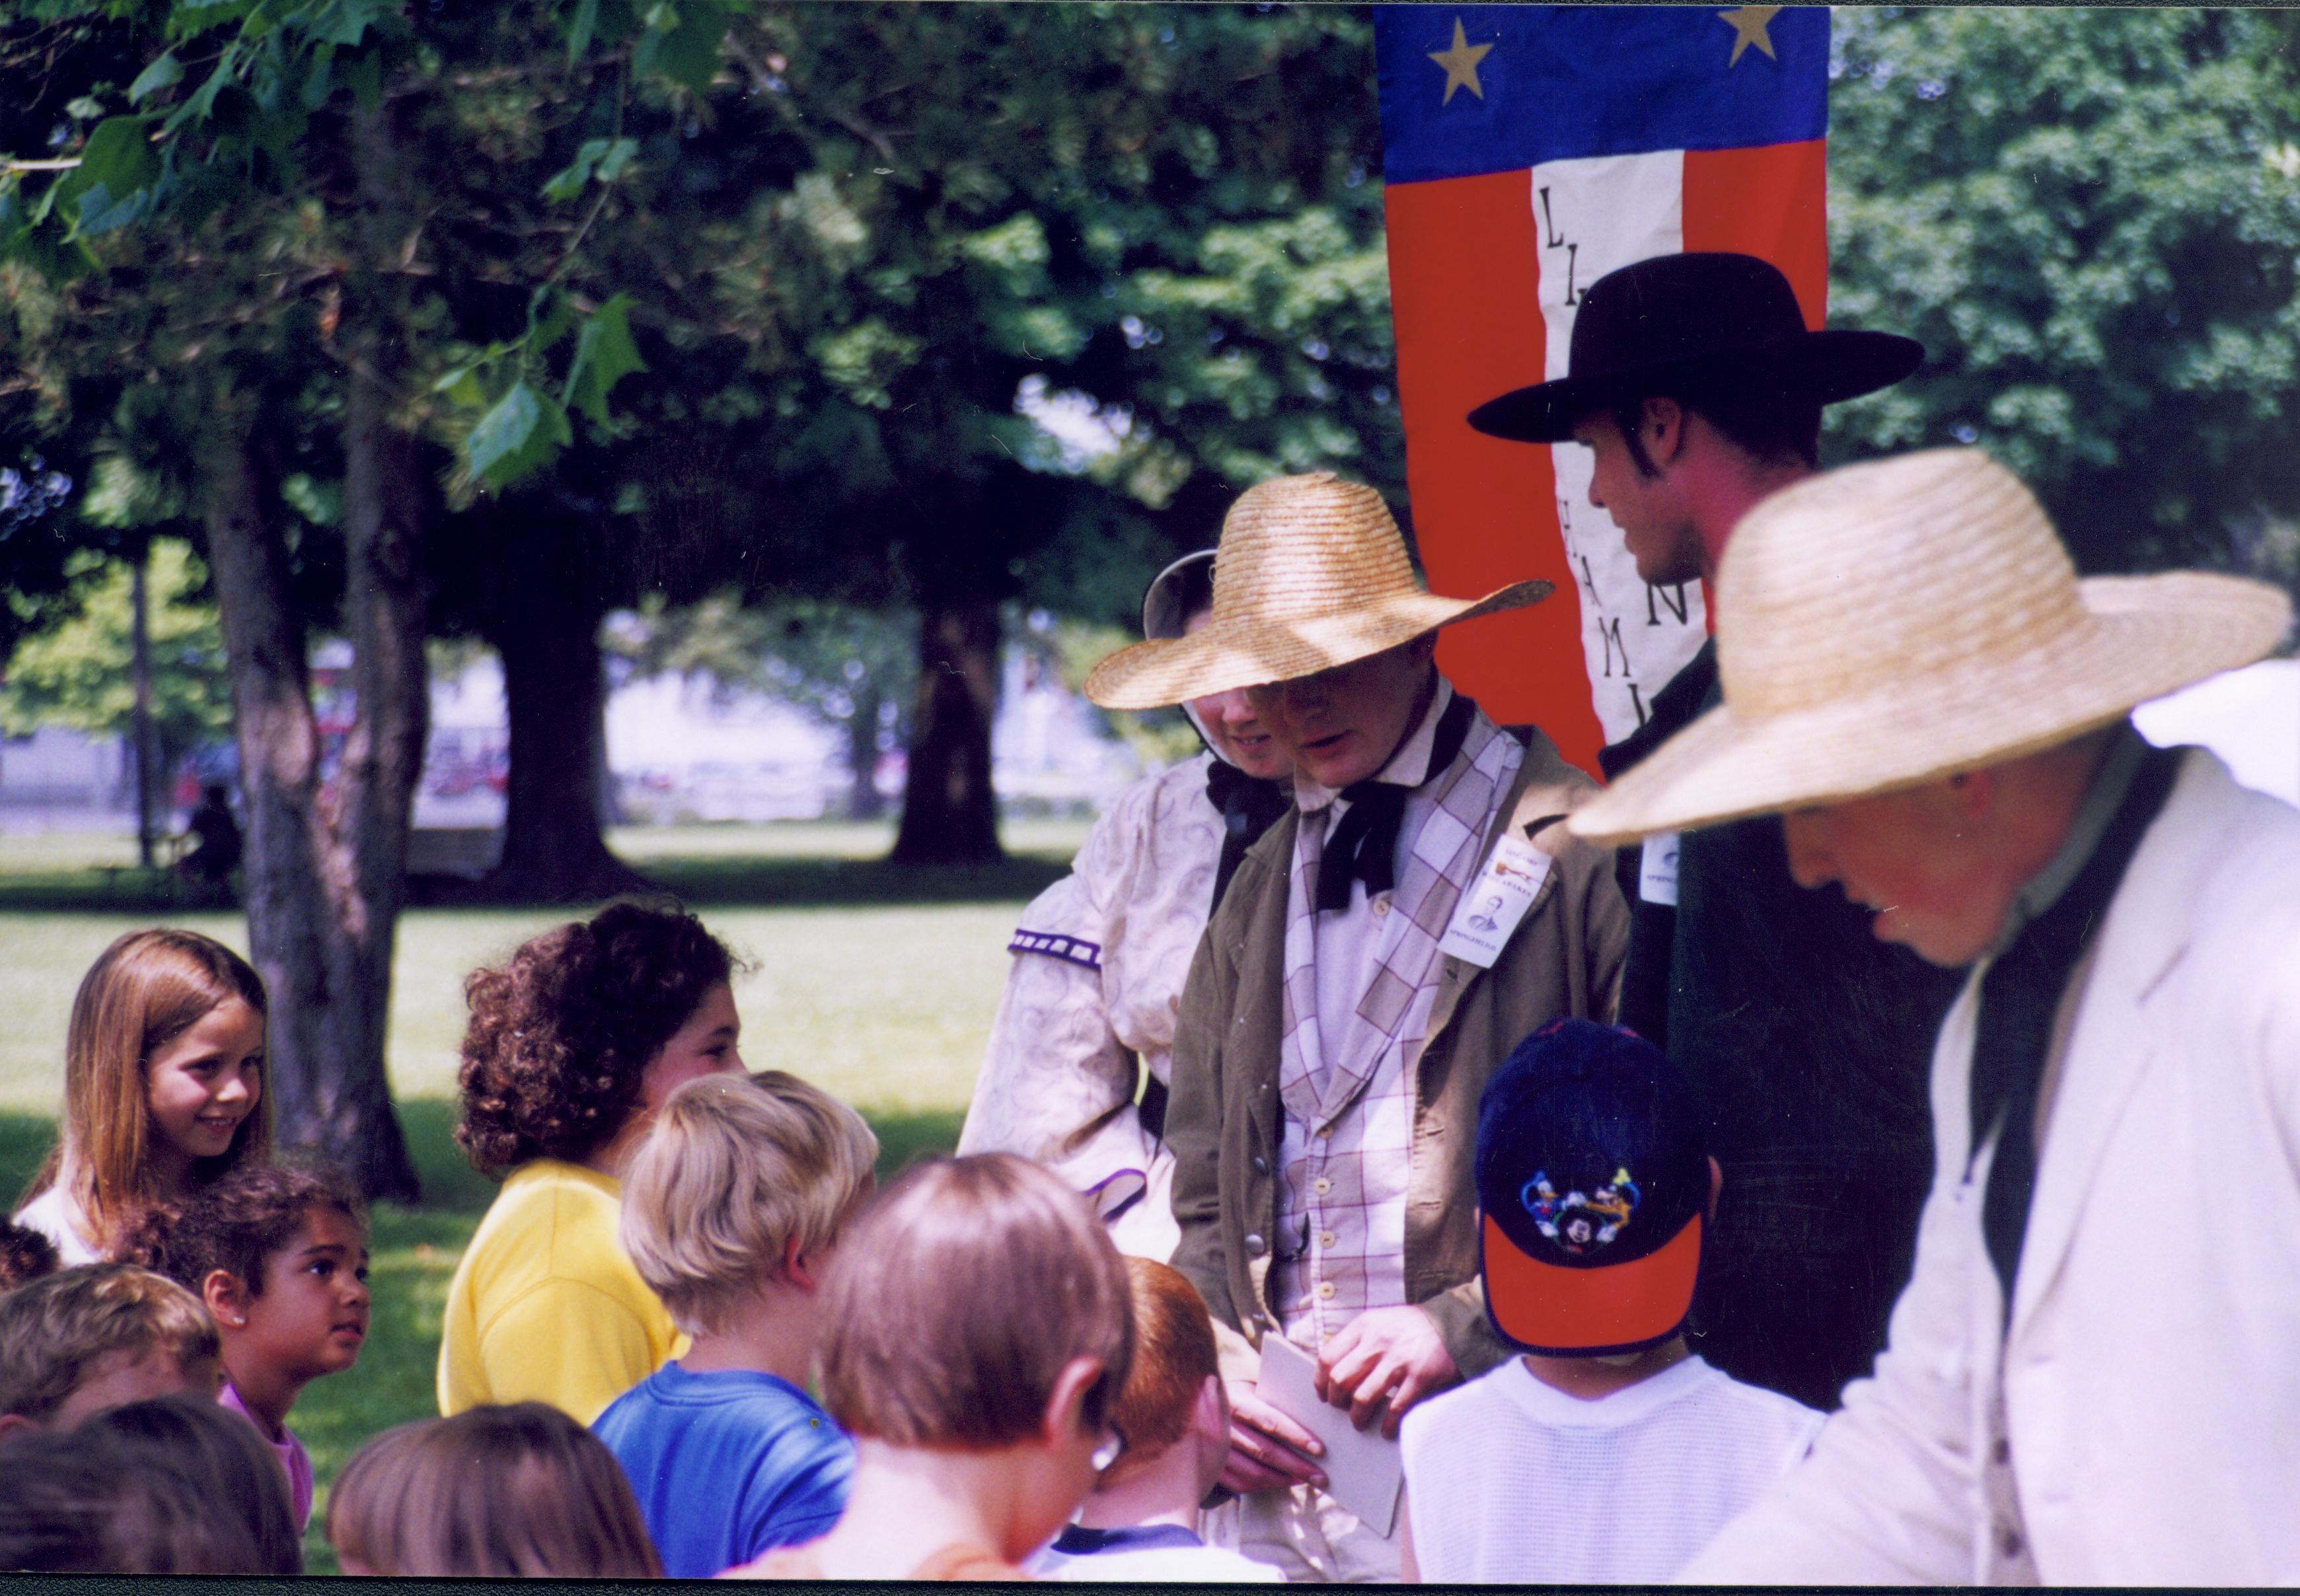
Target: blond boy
[(732, 1206), (95, 1337)]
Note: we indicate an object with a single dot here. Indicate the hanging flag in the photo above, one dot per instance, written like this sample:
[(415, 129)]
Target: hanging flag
[(1529, 151)]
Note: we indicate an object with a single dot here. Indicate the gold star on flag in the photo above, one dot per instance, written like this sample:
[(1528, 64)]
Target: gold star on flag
[(1748, 23), (1460, 64)]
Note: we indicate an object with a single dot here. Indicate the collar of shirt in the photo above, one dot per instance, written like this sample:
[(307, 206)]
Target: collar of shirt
[(1409, 767), (1078, 1540), (2100, 802)]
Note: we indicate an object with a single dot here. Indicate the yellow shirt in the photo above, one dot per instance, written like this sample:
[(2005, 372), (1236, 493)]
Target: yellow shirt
[(545, 1306)]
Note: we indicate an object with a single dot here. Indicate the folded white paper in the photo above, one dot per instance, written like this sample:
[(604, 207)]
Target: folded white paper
[(1364, 1471)]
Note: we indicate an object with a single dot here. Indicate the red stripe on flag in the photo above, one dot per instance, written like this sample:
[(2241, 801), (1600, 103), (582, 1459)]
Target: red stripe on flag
[(1463, 268), (1771, 203)]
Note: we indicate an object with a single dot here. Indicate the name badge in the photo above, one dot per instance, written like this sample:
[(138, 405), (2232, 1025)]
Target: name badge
[(1492, 905), (1657, 869)]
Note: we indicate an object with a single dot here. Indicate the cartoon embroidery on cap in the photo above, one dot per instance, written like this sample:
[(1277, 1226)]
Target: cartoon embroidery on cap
[(1580, 1222)]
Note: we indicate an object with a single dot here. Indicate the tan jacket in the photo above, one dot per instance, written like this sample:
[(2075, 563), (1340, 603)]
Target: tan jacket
[(1225, 1120)]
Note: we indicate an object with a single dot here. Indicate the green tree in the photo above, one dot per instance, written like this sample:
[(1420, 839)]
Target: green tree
[(2092, 219), (77, 669), (1123, 204), (218, 269), (849, 669)]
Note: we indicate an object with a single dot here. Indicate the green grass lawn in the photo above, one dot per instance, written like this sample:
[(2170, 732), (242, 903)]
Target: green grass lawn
[(876, 983)]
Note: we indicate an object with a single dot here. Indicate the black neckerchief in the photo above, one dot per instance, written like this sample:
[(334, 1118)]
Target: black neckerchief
[(1249, 807), (1678, 705), (1365, 845), (2020, 995)]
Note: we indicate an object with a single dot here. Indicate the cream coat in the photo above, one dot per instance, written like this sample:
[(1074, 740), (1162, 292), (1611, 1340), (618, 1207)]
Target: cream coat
[(2150, 1376)]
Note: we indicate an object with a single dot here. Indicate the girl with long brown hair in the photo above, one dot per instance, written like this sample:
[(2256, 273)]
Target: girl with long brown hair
[(163, 1088)]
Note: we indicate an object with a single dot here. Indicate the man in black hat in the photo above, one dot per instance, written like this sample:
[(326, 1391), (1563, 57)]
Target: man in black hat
[(1696, 386)]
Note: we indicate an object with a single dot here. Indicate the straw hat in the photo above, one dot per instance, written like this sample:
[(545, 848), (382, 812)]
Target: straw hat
[(1886, 624), (1311, 573)]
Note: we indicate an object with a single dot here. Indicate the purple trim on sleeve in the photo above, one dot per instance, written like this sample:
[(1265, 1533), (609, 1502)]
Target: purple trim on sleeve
[(1129, 1185), (1055, 945)]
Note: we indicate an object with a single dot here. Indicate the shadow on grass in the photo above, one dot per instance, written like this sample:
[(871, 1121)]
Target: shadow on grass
[(24, 1141), (906, 1138), (700, 881)]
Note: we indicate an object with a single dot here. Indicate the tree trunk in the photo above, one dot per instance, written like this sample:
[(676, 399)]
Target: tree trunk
[(140, 672), (323, 865), (863, 799), (950, 815), (555, 689)]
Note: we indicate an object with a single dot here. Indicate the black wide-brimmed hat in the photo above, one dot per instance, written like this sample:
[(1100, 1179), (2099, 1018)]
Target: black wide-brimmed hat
[(1711, 319)]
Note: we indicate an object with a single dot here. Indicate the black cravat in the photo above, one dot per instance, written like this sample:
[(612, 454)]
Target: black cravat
[(1249, 807), (2019, 998), (1365, 845)]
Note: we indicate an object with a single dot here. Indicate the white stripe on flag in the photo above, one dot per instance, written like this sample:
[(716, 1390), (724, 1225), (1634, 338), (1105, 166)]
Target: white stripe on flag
[(1591, 217)]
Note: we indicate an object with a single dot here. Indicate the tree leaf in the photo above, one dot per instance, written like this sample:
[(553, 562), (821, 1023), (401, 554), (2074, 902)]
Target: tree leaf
[(550, 317), (682, 43), (319, 82), (164, 73), (604, 354), (461, 386), (618, 157), (569, 181), (364, 76), (110, 187), (200, 104), (342, 22), (118, 155), (580, 27), (523, 430), (100, 212)]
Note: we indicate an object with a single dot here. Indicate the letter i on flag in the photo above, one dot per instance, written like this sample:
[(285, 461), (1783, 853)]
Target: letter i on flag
[(1529, 151)]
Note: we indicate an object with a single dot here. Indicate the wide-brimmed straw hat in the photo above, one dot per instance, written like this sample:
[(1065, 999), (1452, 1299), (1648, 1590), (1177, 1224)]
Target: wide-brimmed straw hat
[(1890, 623), (1701, 319), (1311, 573)]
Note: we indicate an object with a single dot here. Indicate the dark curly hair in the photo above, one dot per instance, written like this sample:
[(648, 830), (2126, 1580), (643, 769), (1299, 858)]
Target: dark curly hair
[(238, 1221), (561, 1034), (25, 1256)]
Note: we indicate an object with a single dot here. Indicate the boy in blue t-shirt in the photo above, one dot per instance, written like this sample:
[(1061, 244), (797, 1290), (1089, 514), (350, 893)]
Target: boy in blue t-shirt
[(731, 1206)]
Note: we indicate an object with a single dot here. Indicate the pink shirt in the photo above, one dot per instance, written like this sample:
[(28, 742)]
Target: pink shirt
[(290, 1452)]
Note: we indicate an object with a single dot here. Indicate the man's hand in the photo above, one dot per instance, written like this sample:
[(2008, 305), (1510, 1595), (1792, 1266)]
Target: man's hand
[(1257, 1462), (1384, 1352)]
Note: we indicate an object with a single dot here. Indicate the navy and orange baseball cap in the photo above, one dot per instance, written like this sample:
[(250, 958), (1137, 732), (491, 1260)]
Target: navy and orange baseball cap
[(1593, 1183)]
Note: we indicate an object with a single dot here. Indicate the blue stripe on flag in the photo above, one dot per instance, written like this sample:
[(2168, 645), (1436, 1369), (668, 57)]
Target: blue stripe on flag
[(1540, 83)]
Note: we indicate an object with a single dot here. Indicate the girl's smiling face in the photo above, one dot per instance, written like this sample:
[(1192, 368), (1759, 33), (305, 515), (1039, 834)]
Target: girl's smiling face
[(200, 1086), (311, 1318)]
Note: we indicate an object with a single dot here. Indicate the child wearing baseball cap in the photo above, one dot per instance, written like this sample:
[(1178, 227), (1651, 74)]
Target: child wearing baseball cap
[(1608, 1453)]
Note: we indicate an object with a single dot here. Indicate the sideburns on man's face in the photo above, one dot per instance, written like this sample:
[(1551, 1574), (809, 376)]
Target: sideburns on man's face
[(1343, 724)]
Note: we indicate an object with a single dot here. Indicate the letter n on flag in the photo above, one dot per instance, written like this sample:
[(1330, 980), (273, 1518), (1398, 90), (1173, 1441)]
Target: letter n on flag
[(1528, 151)]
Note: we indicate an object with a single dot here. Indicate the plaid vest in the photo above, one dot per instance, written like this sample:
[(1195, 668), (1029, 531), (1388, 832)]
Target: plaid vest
[(1349, 1118)]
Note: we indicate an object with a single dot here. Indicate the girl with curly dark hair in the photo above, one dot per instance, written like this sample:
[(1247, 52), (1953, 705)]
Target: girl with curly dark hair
[(573, 1044), (278, 1254)]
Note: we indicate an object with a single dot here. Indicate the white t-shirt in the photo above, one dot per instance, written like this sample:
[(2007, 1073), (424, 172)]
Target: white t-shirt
[(1151, 1554), (1510, 1480), (55, 1216)]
